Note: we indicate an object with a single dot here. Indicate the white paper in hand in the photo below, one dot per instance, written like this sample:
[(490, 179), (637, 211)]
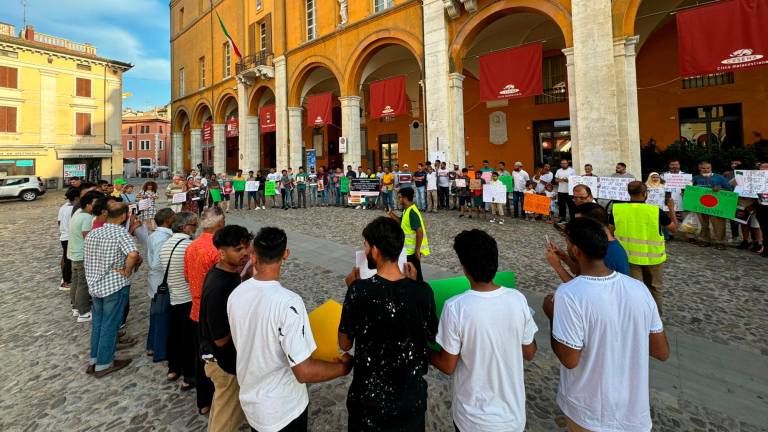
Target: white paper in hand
[(361, 262)]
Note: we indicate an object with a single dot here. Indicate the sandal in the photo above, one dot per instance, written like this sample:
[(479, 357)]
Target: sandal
[(185, 386), (204, 410), (172, 376)]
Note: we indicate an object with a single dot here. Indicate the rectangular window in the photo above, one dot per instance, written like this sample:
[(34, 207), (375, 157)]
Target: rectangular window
[(712, 127), (227, 59), (710, 80), (263, 37), (83, 124), (9, 77), (181, 82), (202, 71), (160, 145), (143, 145), (16, 167), (380, 5), (130, 145), (181, 19), (130, 130), (161, 129), (311, 28), (554, 77), (388, 149), (258, 5), (7, 119)]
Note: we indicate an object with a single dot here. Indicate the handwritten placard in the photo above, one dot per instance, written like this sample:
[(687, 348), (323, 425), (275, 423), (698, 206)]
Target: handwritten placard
[(251, 186), (270, 189), (495, 193), (590, 181), (461, 183), (179, 198), (750, 183), (145, 204), (539, 204), (614, 188), (475, 184), (656, 197), (673, 182)]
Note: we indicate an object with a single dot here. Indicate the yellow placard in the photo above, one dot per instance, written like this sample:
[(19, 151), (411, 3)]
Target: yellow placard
[(325, 328)]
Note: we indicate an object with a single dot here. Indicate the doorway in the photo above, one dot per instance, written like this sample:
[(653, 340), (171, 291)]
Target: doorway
[(552, 141), (388, 149), (268, 150)]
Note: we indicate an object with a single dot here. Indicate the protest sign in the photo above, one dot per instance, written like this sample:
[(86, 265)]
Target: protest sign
[(251, 186), (703, 200), (270, 188), (74, 170), (677, 181), (364, 186), (590, 181), (344, 187), (320, 185), (751, 182), (495, 193), (145, 204), (614, 188), (239, 185), (509, 182), (179, 198), (324, 322), (361, 262), (475, 184), (539, 204), (461, 183), (486, 176), (215, 194), (656, 197)]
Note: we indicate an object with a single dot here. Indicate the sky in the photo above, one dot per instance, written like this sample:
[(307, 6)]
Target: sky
[(132, 31)]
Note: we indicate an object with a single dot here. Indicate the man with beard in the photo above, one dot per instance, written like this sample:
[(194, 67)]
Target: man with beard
[(390, 318)]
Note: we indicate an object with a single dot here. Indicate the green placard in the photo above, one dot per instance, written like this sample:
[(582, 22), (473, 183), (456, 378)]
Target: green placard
[(344, 188), (702, 200), (270, 188), (509, 182), (215, 195), (239, 185)]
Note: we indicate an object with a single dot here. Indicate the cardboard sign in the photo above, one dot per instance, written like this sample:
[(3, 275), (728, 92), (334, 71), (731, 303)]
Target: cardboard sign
[(364, 187), (590, 181), (320, 185), (509, 182), (324, 322), (486, 176), (674, 182), (538, 204), (750, 183), (461, 183), (614, 188), (251, 186), (145, 204), (656, 197), (239, 185), (215, 195), (270, 189), (179, 198), (495, 193), (344, 188), (475, 184), (702, 200)]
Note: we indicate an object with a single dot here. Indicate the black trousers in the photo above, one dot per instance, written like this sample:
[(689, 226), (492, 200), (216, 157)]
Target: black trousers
[(66, 264), (442, 196), (299, 424), (239, 199), (565, 201), (416, 263), (762, 219), (203, 384), (181, 343)]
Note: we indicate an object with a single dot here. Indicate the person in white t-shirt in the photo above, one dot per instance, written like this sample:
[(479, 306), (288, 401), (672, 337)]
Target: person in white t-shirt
[(63, 219), (271, 332), (604, 326), (564, 200), (543, 177), (520, 179), (432, 198), (485, 334)]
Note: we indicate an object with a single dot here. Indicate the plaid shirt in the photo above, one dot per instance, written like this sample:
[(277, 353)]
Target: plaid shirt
[(106, 249)]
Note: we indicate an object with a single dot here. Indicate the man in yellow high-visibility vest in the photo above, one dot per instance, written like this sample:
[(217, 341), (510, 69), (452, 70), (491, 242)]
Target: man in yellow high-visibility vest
[(637, 226), (412, 224)]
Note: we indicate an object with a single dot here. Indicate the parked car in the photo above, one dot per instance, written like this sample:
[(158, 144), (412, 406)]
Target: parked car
[(25, 187)]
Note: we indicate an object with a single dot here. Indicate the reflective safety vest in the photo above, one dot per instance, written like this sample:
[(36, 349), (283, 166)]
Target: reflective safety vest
[(637, 228), (410, 234)]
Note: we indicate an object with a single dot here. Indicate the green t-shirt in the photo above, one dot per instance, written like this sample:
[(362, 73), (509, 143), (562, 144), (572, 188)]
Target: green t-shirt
[(301, 181), (414, 221), (81, 221)]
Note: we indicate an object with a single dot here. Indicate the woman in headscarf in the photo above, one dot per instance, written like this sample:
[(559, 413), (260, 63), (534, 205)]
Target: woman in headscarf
[(654, 181)]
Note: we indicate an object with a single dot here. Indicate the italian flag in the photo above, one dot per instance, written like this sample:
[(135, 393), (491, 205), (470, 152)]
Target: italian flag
[(229, 38)]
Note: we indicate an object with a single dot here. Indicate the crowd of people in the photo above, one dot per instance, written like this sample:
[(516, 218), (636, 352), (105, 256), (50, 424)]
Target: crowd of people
[(229, 329)]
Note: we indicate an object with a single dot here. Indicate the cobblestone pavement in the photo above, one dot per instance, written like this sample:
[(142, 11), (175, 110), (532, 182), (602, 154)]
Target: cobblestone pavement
[(716, 297)]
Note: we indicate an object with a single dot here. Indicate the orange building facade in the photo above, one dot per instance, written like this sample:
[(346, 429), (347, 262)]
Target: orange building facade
[(603, 96)]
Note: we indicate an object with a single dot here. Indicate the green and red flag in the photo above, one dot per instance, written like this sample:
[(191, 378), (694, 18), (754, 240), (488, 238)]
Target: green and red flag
[(703, 200), (229, 38)]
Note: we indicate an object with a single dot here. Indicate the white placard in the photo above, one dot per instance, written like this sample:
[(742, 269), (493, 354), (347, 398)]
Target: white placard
[(614, 188), (751, 182), (145, 204), (179, 198), (656, 197), (251, 186), (461, 183), (361, 262), (674, 182), (495, 193), (590, 181)]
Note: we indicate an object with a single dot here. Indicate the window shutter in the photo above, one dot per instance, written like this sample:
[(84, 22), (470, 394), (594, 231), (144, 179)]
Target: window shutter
[(78, 87), (12, 78), (2, 118), (4, 76), (83, 87), (268, 21), (252, 48), (10, 119), (83, 123)]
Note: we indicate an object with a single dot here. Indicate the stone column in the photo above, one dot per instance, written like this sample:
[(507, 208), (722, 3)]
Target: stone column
[(595, 79), (281, 112), (295, 146), (219, 148), (350, 128), (628, 121), (253, 160), (177, 152), (436, 79), (242, 125), (195, 147), (572, 110), (456, 151)]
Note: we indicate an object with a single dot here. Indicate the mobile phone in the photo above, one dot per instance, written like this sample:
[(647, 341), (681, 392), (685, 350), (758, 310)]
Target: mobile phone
[(549, 242)]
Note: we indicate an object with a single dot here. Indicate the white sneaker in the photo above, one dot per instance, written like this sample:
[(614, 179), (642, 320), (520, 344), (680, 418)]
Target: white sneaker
[(501, 222), (84, 317), (263, 208), (74, 313), (257, 207), (357, 208)]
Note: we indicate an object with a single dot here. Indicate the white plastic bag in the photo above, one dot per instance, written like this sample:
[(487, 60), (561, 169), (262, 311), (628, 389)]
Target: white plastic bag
[(691, 224)]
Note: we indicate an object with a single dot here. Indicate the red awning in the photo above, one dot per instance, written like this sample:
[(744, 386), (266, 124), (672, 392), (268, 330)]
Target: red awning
[(232, 128), (512, 73), (388, 97), (207, 133), (722, 37), (267, 118), (319, 109)]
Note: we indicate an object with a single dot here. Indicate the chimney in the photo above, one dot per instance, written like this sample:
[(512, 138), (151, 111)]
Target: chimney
[(29, 33)]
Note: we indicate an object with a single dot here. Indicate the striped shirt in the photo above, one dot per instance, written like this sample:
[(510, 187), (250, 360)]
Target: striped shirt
[(177, 284)]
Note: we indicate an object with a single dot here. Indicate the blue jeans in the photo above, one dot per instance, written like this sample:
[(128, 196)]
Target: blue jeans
[(159, 325), (387, 200), (106, 316), (313, 196), (337, 191), (324, 197), (421, 197), (518, 199)]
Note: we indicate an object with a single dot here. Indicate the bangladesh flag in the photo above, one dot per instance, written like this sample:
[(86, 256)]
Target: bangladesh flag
[(702, 200), (229, 38)]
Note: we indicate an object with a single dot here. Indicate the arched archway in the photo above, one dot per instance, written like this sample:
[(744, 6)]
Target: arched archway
[(261, 104), (182, 127), (202, 144), (372, 44), (304, 71), (624, 15), (226, 113)]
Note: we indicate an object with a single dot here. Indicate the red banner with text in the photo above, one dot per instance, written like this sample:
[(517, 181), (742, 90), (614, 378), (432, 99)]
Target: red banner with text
[(512, 73), (722, 37), (267, 118), (319, 109), (207, 133), (233, 129), (388, 97)]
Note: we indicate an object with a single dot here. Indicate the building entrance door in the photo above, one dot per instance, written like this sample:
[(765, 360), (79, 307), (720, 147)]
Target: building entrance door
[(552, 141)]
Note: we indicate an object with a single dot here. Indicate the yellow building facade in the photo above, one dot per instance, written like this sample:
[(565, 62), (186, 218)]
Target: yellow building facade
[(252, 113), (60, 108)]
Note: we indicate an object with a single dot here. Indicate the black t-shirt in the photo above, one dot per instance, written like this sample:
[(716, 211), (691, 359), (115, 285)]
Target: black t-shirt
[(391, 324), (420, 178), (214, 323), (262, 182)]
